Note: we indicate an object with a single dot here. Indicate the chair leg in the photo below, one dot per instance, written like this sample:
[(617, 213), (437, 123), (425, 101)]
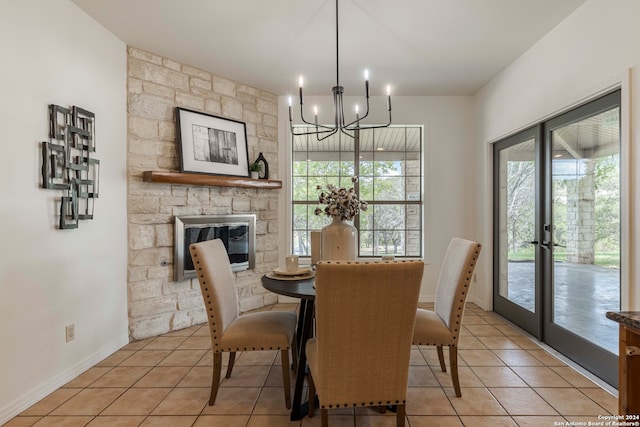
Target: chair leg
[(453, 363), (441, 359), (232, 360), (286, 379), (217, 369), (324, 417), (312, 396), (400, 412)]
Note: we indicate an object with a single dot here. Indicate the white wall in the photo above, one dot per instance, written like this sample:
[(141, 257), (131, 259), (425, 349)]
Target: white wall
[(52, 52), (591, 50), (450, 167)]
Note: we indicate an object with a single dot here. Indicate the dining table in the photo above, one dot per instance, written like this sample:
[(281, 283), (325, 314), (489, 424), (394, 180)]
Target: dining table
[(301, 288)]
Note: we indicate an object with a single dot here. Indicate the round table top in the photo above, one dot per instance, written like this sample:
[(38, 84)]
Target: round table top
[(292, 288)]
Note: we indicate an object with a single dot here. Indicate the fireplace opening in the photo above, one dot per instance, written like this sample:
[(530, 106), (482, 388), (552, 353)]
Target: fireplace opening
[(237, 232)]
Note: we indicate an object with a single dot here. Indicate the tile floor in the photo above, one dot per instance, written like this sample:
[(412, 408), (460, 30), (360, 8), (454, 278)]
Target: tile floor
[(507, 380)]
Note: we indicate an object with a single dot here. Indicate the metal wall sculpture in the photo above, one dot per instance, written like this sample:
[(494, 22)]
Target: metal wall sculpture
[(68, 162)]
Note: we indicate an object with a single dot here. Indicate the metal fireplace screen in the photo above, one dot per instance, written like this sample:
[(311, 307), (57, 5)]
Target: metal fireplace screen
[(237, 232)]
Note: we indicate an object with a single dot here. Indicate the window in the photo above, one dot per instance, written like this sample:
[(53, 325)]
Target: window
[(388, 162)]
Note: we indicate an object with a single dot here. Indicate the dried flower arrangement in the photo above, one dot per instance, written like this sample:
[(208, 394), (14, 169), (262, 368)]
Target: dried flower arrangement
[(341, 202)]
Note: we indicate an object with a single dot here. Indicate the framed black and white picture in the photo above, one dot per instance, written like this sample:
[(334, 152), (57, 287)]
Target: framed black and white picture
[(210, 144)]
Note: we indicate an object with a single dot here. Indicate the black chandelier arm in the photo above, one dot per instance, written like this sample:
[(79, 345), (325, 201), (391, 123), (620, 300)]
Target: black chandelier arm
[(327, 129), (365, 127)]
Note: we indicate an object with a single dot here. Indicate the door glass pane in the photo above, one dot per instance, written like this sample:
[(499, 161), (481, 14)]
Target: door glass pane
[(586, 227), (517, 224)]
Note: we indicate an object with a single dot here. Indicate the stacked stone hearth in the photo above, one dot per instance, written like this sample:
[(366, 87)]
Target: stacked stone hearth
[(156, 86)]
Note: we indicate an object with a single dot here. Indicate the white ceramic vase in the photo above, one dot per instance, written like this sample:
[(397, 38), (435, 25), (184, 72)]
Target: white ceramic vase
[(339, 241)]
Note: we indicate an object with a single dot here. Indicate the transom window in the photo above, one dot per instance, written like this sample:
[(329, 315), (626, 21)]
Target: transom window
[(388, 164)]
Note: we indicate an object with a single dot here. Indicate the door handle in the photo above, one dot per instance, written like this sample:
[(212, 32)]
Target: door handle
[(534, 242), (546, 244)]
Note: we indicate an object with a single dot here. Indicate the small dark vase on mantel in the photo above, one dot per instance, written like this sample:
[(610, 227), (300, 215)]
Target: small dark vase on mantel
[(264, 171)]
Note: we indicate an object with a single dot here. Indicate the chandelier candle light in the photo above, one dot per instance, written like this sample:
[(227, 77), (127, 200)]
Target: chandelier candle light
[(340, 124)]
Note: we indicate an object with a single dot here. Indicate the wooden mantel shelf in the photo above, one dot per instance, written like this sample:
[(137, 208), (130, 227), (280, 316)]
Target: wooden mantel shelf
[(211, 180)]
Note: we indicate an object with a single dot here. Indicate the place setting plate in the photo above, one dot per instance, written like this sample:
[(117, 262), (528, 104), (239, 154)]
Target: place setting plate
[(300, 273)]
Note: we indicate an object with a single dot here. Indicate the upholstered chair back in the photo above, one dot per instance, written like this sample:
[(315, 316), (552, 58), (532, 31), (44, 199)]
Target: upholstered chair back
[(365, 315), (455, 277), (217, 285)]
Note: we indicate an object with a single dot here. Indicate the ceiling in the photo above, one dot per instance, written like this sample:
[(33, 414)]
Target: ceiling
[(419, 47)]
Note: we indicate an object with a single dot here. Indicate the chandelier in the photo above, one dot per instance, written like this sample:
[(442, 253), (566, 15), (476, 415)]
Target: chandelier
[(322, 131)]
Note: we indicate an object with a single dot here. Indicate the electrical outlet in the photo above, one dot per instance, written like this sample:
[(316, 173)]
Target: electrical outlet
[(70, 331)]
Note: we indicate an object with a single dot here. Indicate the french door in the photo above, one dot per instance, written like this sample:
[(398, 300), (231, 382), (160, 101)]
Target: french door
[(557, 232)]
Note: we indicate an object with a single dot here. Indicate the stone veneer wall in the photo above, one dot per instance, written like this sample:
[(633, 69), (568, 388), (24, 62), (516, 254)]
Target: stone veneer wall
[(156, 86)]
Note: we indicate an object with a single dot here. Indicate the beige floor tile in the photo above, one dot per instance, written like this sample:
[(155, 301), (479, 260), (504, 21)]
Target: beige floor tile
[(466, 377), (271, 402), (475, 401), (526, 342), (570, 401), (335, 420), (538, 421), (170, 421), (51, 402), (116, 358), (540, 376), (183, 401), (430, 355), (499, 342), (163, 376), (21, 421), (274, 378), (121, 376), (498, 376), (63, 421), (266, 357), (483, 330), (198, 376), (137, 345), (428, 401), (417, 359), (184, 358), (145, 358), (434, 421), (517, 358), (422, 376), (470, 342), (479, 358), (574, 377), (487, 421), (271, 421), (246, 376), (473, 319), (522, 401), (507, 330), (203, 331), (115, 421), (388, 420), (581, 420), (90, 401), (233, 401), (137, 401), (165, 343), (87, 377), (602, 398), (196, 343), (221, 420)]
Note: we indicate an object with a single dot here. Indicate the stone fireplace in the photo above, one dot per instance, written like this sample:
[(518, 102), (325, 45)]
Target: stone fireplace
[(158, 303)]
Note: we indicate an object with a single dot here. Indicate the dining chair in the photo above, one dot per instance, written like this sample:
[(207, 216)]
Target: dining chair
[(365, 315), (441, 327), (230, 332)]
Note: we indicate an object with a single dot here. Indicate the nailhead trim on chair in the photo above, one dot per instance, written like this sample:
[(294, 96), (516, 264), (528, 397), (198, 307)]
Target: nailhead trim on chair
[(346, 405)]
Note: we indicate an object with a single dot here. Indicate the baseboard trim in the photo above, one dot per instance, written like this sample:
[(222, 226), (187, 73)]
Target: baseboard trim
[(41, 391)]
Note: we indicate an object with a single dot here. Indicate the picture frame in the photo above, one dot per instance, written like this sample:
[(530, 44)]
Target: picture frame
[(210, 144)]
